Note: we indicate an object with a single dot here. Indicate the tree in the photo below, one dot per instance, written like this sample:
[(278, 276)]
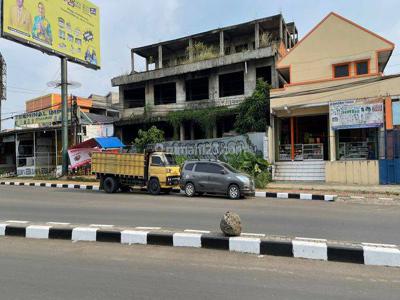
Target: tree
[(149, 137), (254, 111)]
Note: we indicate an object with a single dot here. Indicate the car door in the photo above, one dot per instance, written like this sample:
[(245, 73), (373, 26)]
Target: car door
[(216, 178), (200, 177)]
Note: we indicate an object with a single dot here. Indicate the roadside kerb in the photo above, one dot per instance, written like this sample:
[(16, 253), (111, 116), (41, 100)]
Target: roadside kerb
[(299, 196), (306, 248)]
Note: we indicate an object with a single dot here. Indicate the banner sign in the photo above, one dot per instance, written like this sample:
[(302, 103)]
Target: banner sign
[(80, 157), (212, 148), (356, 114), (66, 28), (94, 131), (39, 118)]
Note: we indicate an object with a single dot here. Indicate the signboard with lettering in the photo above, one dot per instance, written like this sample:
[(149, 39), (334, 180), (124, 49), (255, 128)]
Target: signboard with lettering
[(65, 28), (356, 114), (39, 118)]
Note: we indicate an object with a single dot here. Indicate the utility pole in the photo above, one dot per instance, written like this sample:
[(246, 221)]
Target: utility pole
[(64, 107)]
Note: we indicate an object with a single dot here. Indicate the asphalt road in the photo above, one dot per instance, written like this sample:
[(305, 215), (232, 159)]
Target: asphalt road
[(54, 270), (313, 219)]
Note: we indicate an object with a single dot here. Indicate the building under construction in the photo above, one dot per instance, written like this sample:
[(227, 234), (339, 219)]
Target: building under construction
[(217, 68)]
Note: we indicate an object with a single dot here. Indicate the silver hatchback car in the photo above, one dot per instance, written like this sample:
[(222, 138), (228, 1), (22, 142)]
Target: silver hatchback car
[(215, 177)]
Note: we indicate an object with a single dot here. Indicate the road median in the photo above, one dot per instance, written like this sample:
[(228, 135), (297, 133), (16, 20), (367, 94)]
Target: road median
[(250, 243)]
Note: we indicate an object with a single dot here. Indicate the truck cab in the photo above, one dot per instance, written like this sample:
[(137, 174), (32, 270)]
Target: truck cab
[(163, 172)]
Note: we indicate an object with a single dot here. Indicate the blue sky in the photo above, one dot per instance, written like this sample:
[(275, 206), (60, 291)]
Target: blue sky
[(132, 23)]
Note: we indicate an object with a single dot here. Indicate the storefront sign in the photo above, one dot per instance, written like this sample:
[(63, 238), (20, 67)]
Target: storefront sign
[(39, 118), (94, 131), (356, 114)]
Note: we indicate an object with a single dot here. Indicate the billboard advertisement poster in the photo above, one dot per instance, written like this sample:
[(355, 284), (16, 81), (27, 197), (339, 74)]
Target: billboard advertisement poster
[(81, 157), (66, 28), (356, 114)]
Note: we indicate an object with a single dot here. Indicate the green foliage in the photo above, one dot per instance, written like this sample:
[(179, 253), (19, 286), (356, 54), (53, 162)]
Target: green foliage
[(251, 164), (253, 110), (151, 136), (202, 51), (205, 117), (180, 160)]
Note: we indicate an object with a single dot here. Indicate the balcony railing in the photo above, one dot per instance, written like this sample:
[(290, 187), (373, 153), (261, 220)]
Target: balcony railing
[(301, 152)]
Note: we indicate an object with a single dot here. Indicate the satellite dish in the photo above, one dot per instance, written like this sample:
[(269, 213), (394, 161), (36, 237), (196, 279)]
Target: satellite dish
[(57, 84)]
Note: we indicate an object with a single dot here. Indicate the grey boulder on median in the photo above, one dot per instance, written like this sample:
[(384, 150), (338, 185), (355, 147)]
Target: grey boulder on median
[(231, 224)]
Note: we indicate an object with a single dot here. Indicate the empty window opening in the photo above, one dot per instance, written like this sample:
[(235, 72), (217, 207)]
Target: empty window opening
[(231, 84), (197, 89), (165, 93), (264, 73), (134, 98), (241, 48)]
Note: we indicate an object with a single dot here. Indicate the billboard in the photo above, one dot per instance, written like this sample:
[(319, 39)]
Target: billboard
[(356, 114), (66, 28)]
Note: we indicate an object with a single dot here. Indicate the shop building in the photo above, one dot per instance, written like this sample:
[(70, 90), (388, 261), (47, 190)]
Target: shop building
[(217, 68), (34, 146), (331, 118)]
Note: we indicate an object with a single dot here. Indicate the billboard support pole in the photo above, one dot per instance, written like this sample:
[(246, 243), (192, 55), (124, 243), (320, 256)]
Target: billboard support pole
[(64, 107)]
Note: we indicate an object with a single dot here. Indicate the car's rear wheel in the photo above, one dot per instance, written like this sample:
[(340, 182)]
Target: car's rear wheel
[(154, 186), (234, 192), (189, 189)]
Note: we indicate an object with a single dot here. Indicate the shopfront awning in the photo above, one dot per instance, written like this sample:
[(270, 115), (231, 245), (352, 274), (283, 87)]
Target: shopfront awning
[(101, 143)]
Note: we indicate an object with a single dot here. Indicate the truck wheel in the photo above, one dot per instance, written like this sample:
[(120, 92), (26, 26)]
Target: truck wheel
[(110, 185), (234, 192), (154, 187), (189, 189)]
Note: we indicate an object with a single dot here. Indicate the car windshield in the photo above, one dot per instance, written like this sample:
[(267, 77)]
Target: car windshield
[(170, 160), (230, 168)]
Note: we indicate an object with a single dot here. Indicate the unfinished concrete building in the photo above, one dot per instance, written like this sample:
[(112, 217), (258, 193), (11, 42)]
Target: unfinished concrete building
[(217, 68)]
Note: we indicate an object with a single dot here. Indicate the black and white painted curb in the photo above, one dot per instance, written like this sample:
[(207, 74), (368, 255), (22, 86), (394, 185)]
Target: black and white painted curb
[(259, 244), (51, 185), (300, 196)]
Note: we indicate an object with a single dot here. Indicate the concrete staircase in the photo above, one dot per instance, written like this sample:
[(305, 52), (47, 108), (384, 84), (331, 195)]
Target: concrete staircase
[(299, 171)]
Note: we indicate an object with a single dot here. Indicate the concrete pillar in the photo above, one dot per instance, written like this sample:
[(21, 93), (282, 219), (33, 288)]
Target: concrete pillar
[(190, 49), (160, 57), (180, 92), (271, 141), (274, 77), (147, 64), (257, 35), (214, 131), (281, 29), (381, 143), (149, 94), (133, 60), (332, 142), (250, 78), (182, 132), (191, 131), (221, 43), (213, 86)]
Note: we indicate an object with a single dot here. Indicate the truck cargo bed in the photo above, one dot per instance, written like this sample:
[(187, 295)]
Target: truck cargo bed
[(126, 164)]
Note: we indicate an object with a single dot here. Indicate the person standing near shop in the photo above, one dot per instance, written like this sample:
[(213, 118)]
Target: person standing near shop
[(41, 26), (20, 17)]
